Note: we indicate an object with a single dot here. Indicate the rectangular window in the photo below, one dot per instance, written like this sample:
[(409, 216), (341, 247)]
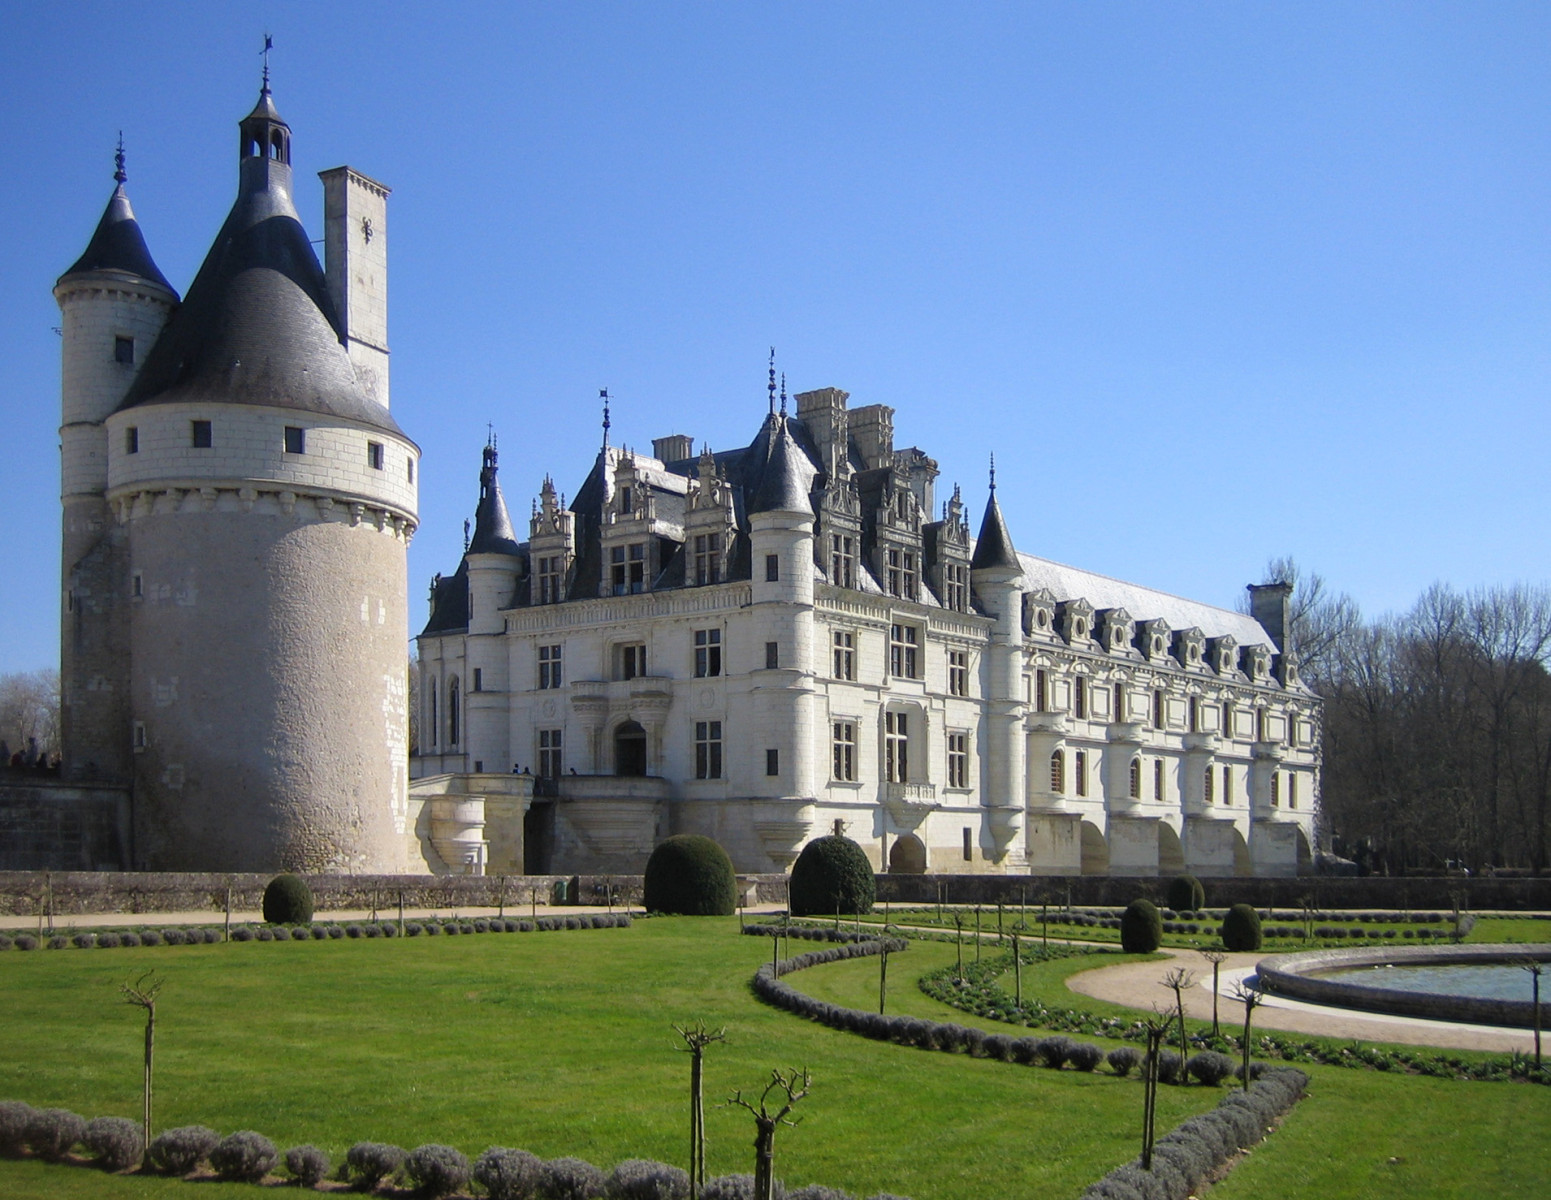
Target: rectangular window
[(903, 574), (958, 672), (912, 577), (904, 651), (124, 350), (1157, 710), (893, 574), (137, 585), (140, 740), (200, 436), (896, 747), (772, 761), (1041, 690), (708, 749), (549, 753), (411, 463), (842, 561), (374, 455), (969, 845), (844, 751), (1157, 779), (1058, 772), (630, 661), (708, 653), (1080, 769), (551, 567), (1260, 724), (1080, 697), (1227, 785), (1120, 702), (1227, 719), (772, 568), (845, 654), (550, 672), (772, 655), (955, 587), (1292, 790), (1195, 714), (958, 760), (708, 558), (479, 679), (627, 566), (132, 440), (1276, 789), (1208, 786), (295, 440)]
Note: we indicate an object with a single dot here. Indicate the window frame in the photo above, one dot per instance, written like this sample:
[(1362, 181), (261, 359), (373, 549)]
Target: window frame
[(551, 660), (708, 653), (958, 759), (904, 650), (843, 653), (295, 439), (896, 745), (843, 751), (958, 672), (551, 751), (708, 750)]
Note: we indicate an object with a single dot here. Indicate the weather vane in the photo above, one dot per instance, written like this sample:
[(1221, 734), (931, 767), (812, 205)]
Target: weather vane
[(119, 174), (269, 44)]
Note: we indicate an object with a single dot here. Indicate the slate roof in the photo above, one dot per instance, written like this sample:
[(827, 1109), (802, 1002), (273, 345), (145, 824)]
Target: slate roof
[(493, 533), (118, 245), (993, 548), (785, 476)]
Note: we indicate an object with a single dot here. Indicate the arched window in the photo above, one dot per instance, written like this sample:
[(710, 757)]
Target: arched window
[(453, 713), (1136, 779), (1058, 772)]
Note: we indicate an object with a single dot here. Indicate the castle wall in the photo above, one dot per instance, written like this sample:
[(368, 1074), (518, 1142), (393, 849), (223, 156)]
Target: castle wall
[(55, 825)]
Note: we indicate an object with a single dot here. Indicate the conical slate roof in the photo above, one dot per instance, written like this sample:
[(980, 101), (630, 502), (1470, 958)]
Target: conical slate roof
[(993, 548), (788, 475), (257, 326), (118, 244), (493, 533)]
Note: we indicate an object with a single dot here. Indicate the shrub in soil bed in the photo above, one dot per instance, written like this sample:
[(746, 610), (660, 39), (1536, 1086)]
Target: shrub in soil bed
[(573, 1179), (509, 1174), (14, 1116), (116, 1143), (307, 1165), (178, 1151), (1241, 928), (1141, 927), (436, 1170), (641, 1179), (244, 1157), (53, 1132), (1186, 894), (368, 1163)]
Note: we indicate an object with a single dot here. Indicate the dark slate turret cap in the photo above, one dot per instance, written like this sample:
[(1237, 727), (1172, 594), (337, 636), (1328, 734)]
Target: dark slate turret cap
[(258, 326), (118, 244), (993, 548), (493, 533), (787, 477)]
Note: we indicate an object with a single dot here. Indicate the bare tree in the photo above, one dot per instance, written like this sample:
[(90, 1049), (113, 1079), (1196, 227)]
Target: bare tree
[(142, 993), (1535, 969), (1216, 957), (696, 1038), (787, 1088), (1157, 1029), (1177, 981), (29, 712), (1319, 617), (1251, 997)]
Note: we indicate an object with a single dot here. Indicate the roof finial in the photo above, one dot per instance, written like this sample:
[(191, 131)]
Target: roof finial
[(603, 394), (783, 393), (465, 535), (269, 44), (119, 174), (772, 381), (993, 473)]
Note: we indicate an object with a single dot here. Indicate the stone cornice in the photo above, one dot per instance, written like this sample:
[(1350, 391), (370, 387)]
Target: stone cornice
[(328, 505)]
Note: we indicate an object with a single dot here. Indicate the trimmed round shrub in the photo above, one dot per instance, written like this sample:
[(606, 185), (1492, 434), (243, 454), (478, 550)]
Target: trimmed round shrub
[(368, 1163), (509, 1174), (116, 1143), (307, 1165), (288, 901), (352, 930), (413, 929), (1141, 927), (432, 929), (242, 934), (738, 1187), (14, 1116), (1210, 1067), (179, 1151), (59, 942), (372, 930), (25, 941), (1085, 1056), (1241, 928), (108, 941), (5, 941), (129, 938), (641, 1179), (53, 1132), (280, 933), (1170, 1067), (818, 1191), (301, 933), (690, 875), (333, 932), (149, 937), (245, 1156), (1186, 894), (437, 1170), (574, 1179), (831, 875)]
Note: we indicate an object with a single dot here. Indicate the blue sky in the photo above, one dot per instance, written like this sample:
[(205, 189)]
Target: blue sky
[(1216, 282)]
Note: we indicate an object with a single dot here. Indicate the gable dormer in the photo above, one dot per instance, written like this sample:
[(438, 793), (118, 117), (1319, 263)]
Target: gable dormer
[(1223, 654), (710, 525), (1116, 630), (551, 545), (898, 541), (1255, 661), (947, 552), (1190, 648), (1039, 613), (631, 558), (1074, 621), (1152, 640)]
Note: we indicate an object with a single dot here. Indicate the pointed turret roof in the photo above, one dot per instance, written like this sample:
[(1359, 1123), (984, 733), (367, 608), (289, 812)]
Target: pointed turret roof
[(258, 326), (993, 548), (493, 533), (787, 475), (118, 244)]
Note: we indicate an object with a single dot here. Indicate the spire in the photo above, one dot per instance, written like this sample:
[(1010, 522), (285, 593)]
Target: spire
[(265, 135), (787, 479), (117, 244), (783, 395), (603, 394), (993, 548), (492, 523), (772, 381)]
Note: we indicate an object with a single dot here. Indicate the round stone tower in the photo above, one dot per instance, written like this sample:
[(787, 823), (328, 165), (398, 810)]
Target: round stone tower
[(113, 303), (268, 498)]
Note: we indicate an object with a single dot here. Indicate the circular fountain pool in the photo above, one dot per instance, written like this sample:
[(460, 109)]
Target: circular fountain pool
[(1476, 984)]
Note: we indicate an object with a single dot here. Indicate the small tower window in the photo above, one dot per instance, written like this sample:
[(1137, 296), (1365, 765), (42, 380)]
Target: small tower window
[(132, 440), (140, 739), (772, 568), (772, 761), (137, 585), (1136, 779), (295, 440), (1058, 772), (772, 655), (411, 470), (374, 455), (124, 350), (200, 436)]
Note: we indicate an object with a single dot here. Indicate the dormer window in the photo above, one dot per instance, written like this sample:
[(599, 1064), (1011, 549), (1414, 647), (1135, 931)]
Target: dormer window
[(902, 574), (627, 568), (624, 501), (955, 587), (708, 558), (842, 560)]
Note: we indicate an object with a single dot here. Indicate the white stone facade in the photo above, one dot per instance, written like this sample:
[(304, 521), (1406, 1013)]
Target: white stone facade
[(1014, 717)]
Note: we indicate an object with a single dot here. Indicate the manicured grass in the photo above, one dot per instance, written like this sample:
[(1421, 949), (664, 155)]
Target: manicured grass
[(559, 1043), (1510, 929)]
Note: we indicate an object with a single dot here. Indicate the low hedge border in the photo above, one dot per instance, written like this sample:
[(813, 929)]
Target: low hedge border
[(318, 931), (1202, 1148), (978, 992)]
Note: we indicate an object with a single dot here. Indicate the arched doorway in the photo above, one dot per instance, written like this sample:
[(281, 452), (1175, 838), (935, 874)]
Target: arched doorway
[(630, 749), (908, 856)]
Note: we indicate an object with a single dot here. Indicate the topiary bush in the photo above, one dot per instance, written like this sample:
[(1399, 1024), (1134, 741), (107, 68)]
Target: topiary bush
[(116, 1143), (574, 1179), (1186, 894), (690, 875), (509, 1174), (14, 1116), (53, 1132), (288, 901), (1141, 927), (179, 1151), (738, 1187), (307, 1165), (640, 1179), (1085, 1056), (1241, 928), (437, 1170), (831, 875), (368, 1163), (244, 1157), (1210, 1067)]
